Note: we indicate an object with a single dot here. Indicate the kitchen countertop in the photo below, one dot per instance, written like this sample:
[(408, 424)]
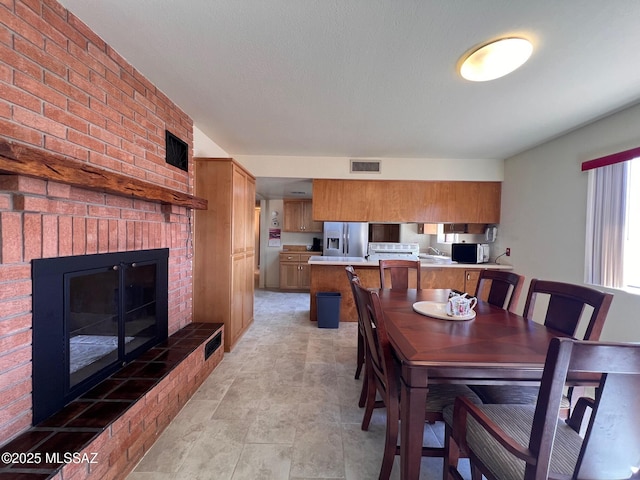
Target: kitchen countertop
[(363, 262), (299, 249)]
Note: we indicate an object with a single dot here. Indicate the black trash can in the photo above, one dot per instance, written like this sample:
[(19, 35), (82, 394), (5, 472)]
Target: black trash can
[(328, 308)]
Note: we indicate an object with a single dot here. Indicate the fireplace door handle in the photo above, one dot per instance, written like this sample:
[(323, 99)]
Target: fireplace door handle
[(117, 267)]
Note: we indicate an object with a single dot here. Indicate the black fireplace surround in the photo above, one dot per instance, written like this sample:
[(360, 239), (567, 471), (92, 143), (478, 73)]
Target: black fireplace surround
[(92, 315)]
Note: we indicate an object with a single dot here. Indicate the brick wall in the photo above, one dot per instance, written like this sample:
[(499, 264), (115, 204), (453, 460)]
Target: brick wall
[(64, 90)]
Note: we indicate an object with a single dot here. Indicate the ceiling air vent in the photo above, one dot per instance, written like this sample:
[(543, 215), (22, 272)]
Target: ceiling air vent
[(365, 166)]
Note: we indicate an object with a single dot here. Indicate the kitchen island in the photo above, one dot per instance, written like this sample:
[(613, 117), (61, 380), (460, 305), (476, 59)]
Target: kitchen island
[(328, 275)]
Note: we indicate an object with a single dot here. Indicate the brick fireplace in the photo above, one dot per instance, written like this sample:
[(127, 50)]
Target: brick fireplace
[(65, 92)]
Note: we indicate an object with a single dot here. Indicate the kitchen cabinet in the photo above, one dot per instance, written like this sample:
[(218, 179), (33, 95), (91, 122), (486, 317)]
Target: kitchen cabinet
[(432, 228), (294, 271), (334, 200), (477, 228), (329, 277), (406, 201), (298, 216), (456, 278), (442, 277), (471, 278), (454, 228), (224, 247), (428, 228), (384, 232)]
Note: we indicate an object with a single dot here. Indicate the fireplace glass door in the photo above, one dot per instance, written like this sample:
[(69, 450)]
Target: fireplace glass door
[(104, 310), (140, 306), (93, 337)]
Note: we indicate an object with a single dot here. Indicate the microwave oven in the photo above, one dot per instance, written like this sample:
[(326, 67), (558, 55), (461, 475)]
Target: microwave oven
[(470, 252)]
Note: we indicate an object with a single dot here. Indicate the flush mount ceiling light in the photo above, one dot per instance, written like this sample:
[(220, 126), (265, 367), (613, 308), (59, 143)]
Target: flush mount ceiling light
[(495, 59)]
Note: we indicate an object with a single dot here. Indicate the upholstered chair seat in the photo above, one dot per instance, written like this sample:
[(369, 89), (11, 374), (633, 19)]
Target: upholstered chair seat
[(508, 394), (516, 421)]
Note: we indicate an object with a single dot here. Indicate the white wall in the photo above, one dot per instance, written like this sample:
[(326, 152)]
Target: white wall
[(409, 234), (543, 217), (269, 256), (391, 168), (203, 146)]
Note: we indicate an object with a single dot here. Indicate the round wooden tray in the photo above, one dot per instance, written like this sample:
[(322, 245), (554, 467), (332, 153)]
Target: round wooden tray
[(438, 310)]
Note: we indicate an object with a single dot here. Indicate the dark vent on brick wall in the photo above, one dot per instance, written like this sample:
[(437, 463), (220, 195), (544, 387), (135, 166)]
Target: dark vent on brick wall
[(212, 345), (177, 154), (365, 166)]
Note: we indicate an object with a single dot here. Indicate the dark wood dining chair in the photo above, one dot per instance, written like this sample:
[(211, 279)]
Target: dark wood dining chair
[(383, 372), (531, 442), (398, 271), (500, 288), (566, 304), (360, 355)]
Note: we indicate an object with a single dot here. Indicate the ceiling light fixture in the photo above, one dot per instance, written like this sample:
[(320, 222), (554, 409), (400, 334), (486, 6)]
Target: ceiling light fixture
[(495, 59)]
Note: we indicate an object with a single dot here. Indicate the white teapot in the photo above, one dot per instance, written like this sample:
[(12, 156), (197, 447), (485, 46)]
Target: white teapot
[(460, 305)]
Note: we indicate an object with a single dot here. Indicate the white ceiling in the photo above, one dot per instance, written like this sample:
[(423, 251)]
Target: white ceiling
[(279, 187), (376, 78)]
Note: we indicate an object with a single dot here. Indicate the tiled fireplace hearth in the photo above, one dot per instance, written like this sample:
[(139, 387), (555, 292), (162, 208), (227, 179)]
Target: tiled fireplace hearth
[(105, 432), (83, 172)]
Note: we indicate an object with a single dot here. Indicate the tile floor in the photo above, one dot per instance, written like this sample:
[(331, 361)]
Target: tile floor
[(282, 405)]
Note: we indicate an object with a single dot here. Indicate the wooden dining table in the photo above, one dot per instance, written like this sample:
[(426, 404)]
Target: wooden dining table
[(495, 347)]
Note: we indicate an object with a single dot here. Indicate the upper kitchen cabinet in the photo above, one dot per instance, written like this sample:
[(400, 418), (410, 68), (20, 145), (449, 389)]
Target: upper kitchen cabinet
[(346, 200), (432, 228), (406, 201), (298, 216), (384, 232), (476, 202)]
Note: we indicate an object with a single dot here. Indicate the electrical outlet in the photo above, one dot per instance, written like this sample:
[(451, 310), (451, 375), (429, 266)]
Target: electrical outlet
[(508, 252)]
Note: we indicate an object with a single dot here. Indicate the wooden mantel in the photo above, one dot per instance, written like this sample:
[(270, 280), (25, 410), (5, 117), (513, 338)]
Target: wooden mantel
[(24, 160)]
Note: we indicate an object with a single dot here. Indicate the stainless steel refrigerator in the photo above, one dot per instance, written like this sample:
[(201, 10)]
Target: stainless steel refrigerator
[(345, 239)]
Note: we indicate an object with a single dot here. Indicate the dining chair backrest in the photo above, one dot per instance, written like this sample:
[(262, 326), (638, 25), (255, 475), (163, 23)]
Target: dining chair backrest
[(378, 346), (504, 288), (351, 275), (360, 354), (399, 272), (611, 445), (566, 305)]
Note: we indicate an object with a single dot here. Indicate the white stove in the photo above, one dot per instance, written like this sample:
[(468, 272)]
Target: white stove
[(393, 251)]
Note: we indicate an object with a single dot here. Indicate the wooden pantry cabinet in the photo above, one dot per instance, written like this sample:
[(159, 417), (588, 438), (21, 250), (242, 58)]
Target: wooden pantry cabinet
[(224, 241), (298, 216), (406, 201)]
